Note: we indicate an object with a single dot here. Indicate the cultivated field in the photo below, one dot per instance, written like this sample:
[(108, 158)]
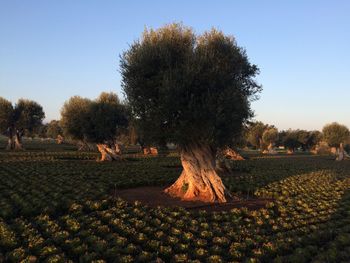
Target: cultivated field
[(59, 205)]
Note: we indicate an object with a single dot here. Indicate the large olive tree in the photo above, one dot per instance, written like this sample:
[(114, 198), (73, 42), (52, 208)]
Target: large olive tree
[(96, 121), (16, 120), (336, 135), (195, 91)]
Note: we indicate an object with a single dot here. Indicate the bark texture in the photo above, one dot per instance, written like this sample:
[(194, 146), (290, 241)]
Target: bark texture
[(18, 140), (231, 154), (341, 153), (150, 151), (59, 139), (270, 150), (108, 152), (199, 180), (10, 143)]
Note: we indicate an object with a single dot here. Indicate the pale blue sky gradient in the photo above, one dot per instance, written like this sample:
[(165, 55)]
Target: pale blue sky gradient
[(51, 50)]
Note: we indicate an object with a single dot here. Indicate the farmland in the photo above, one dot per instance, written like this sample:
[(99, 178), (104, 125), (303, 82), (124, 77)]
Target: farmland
[(58, 205)]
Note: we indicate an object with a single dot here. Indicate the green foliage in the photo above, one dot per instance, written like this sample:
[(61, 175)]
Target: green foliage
[(186, 89), (255, 132), (54, 129), (74, 117), (28, 115), (107, 118), (270, 135), (6, 114), (57, 206), (94, 121), (293, 139), (335, 134)]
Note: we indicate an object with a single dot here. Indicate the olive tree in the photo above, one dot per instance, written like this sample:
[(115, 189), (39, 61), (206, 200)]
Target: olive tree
[(336, 135), (255, 132), (96, 121), (269, 137), (16, 120), (194, 91), (54, 130)]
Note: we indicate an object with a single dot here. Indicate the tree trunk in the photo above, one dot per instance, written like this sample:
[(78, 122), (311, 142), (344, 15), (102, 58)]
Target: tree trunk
[(290, 151), (198, 180), (108, 153), (340, 153), (10, 143), (59, 139), (18, 140), (150, 151), (231, 154)]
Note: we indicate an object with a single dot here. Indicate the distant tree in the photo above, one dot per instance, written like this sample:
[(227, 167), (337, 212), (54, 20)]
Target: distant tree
[(195, 92), (336, 135), (24, 117), (42, 131), (74, 120), (290, 140), (269, 137), (55, 131), (255, 133), (303, 137), (314, 138), (99, 121)]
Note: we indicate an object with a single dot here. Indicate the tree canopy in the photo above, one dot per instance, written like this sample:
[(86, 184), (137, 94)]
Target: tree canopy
[(335, 134), (94, 121), (187, 88)]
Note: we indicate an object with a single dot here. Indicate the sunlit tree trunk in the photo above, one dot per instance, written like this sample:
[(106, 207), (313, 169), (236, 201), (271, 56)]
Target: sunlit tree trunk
[(10, 143), (150, 151), (18, 140), (199, 179), (340, 153), (231, 154), (59, 139), (108, 152)]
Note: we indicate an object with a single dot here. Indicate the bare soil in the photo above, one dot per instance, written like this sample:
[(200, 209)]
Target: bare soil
[(154, 196)]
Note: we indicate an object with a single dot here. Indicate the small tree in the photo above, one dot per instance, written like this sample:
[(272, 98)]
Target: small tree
[(255, 133), (335, 135), (15, 121), (195, 92), (74, 120), (290, 140), (54, 131), (270, 136), (97, 121)]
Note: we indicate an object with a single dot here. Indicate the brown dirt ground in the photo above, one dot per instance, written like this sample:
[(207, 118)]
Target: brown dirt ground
[(154, 196)]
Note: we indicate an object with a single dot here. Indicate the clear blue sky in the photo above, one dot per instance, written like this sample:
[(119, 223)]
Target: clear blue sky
[(51, 50)]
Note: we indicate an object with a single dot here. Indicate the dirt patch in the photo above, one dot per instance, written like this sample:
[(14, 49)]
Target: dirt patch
[(154, 196)]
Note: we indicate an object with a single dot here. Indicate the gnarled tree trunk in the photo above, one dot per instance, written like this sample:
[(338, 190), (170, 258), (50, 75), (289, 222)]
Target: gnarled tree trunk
[(18, 140), (108, 152), (59, 139), (231, 154), (150, 151), (10, 143), (199, 180), (340, 153)]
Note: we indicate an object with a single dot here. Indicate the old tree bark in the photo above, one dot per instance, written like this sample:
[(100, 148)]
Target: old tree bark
[(109, 151), (199, 180), (14, 139)]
